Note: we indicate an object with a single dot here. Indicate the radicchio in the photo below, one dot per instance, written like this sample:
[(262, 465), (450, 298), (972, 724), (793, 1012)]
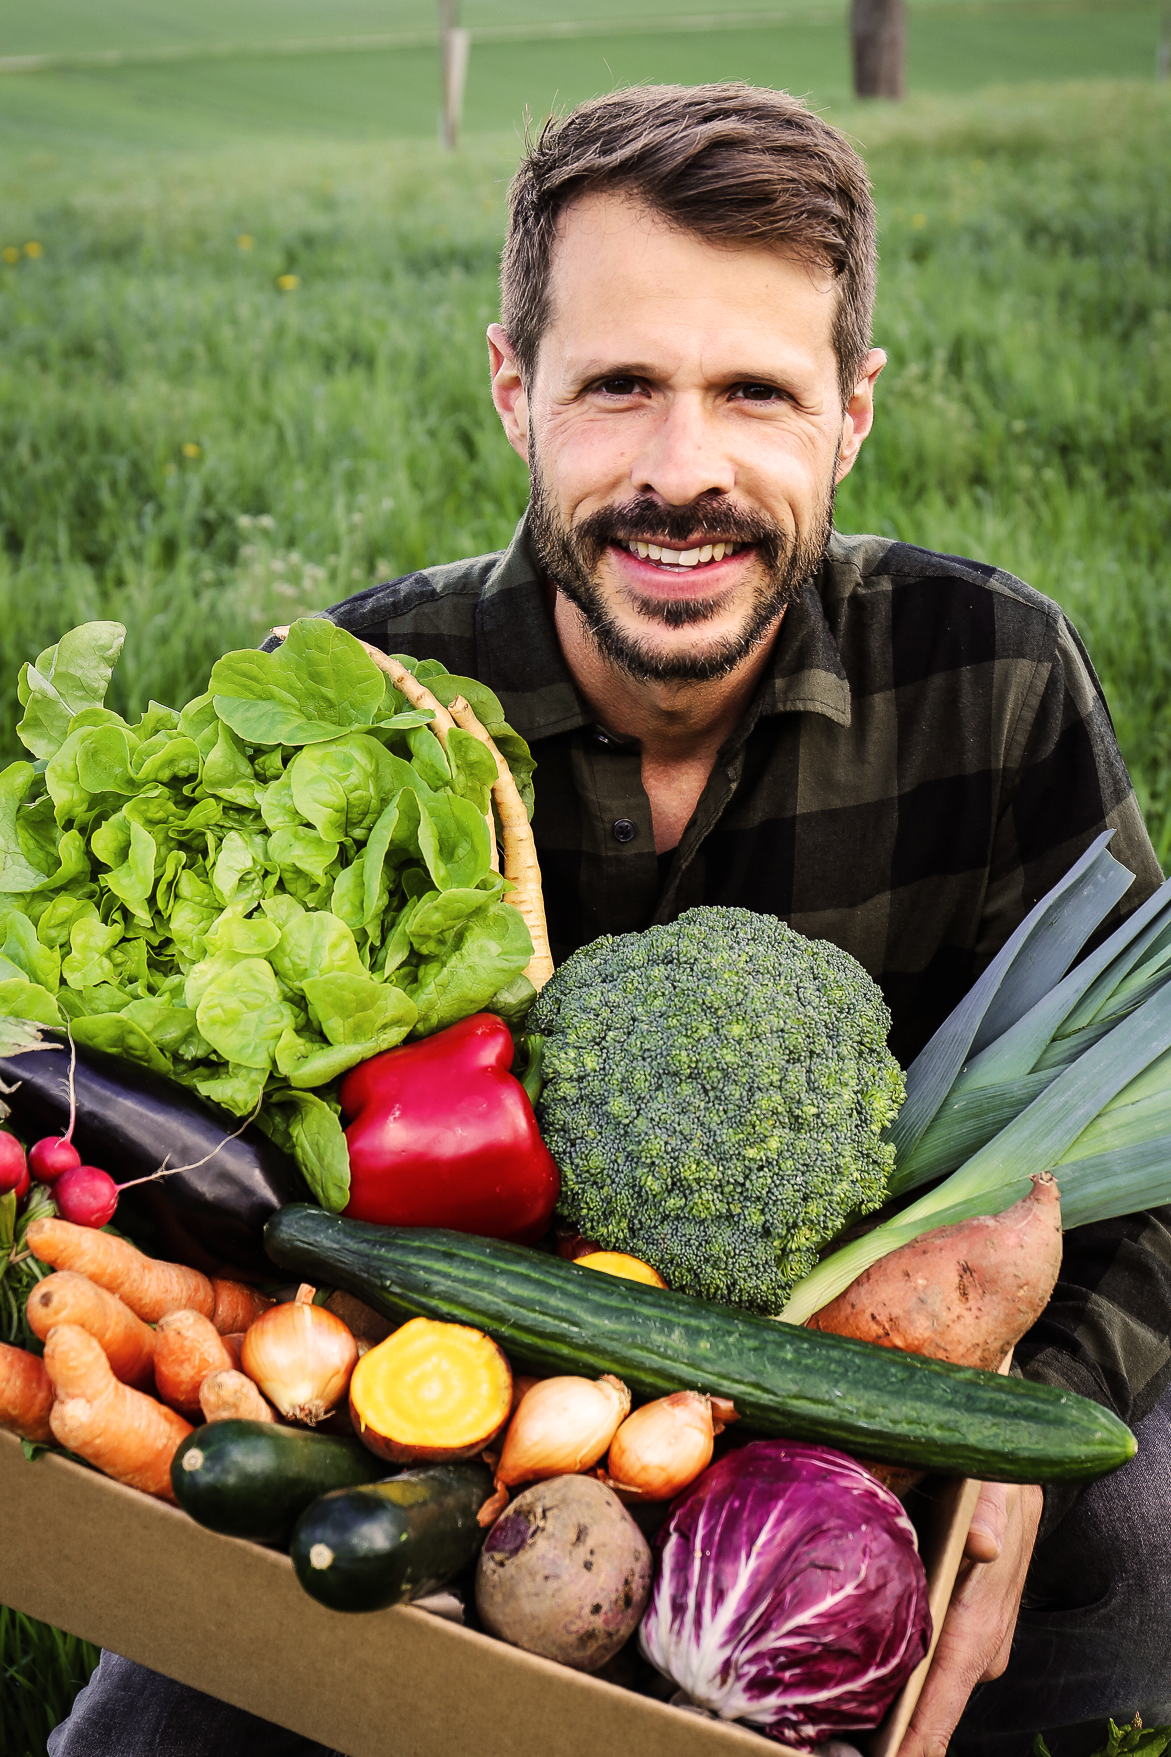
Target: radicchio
[(789, 1593)]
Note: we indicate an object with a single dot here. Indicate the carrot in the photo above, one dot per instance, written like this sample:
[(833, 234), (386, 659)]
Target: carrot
[(234, 1342), (236, 1306), (964, 1293), (120, 1430), (26, 1394), (66, 1298), (187, 1348), (149, 1288), (231, 1396)]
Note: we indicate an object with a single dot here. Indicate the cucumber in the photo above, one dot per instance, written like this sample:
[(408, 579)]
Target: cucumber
[(552, 1316), (252, 1478), (364, 1549)]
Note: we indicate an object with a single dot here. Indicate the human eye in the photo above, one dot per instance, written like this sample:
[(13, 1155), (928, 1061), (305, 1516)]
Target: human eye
[(760, 393), (622, 386)]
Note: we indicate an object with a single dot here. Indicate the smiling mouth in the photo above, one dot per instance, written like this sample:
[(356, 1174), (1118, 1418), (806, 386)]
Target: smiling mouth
[(681, 559)]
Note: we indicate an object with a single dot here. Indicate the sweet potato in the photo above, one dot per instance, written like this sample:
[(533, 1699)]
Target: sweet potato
[(66, 1298), (565, 1573), (965, 1293)]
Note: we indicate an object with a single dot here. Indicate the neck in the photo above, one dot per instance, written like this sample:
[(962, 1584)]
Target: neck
[(673, 721)]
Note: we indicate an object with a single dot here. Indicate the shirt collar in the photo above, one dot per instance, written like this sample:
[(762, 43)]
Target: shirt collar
[(520, 658)]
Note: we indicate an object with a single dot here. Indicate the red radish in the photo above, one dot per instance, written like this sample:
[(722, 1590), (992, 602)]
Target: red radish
[(86, 1196), (13, 1169), (48, 1158)]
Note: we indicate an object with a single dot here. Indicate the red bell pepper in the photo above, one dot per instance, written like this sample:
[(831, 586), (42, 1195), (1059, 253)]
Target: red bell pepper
[(444, 1135)]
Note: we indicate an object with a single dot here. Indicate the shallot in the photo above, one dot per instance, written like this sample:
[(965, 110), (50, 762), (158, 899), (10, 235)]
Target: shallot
[(663, 1446), (562, 1426)]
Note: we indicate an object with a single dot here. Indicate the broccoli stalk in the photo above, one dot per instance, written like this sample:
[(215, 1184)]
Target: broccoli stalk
[(715, 1092)]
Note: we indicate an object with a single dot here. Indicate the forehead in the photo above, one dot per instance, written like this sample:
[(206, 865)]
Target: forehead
[(624, 278)]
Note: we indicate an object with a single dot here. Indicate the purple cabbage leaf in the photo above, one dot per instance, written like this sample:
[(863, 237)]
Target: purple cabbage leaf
[(789, 1593)]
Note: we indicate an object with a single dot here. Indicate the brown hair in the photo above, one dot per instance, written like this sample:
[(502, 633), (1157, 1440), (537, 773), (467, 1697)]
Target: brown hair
[(732, 163)]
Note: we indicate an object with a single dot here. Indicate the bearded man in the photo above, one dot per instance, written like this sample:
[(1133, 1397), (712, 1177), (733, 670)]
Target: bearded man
[(732, 703)]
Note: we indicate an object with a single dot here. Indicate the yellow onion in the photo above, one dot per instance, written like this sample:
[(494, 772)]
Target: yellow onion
[(663, 1446), (561, 1427), (301, 1356)]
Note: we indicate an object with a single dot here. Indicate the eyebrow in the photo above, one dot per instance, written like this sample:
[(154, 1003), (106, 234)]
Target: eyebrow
[(594, 371)]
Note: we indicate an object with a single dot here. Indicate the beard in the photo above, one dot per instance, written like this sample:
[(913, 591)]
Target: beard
[(571, 557)]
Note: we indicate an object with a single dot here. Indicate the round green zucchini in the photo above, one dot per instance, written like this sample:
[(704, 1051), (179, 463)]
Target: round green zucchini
[(363, 1549), (552, 1316), (253, 1478)]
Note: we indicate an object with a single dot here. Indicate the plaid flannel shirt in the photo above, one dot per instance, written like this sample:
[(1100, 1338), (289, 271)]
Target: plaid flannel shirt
[(927, 754)]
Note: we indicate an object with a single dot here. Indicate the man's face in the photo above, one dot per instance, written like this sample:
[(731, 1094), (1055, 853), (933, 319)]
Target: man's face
[(684, 432)]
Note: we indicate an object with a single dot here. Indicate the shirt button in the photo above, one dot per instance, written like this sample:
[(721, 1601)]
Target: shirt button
[(600, 737), (624, 830)]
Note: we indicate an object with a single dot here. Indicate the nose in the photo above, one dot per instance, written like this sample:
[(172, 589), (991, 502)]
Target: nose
[(684, 454)]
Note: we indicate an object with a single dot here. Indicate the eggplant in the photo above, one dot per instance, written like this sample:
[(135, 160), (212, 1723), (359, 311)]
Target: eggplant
[(129, 1121)]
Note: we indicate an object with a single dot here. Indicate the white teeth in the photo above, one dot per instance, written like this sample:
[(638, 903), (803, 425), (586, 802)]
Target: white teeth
[(680, 557)]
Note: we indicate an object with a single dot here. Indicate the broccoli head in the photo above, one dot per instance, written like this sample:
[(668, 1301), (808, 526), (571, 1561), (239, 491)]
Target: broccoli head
[(715, 1092)]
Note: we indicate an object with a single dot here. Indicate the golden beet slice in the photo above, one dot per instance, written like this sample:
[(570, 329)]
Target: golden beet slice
[(431, 1392)]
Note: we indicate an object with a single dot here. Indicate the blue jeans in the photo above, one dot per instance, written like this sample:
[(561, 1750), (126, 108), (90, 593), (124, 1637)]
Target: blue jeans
[(1093, 1641)]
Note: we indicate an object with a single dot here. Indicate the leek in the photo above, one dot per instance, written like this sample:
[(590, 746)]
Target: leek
[(1073, 1078)]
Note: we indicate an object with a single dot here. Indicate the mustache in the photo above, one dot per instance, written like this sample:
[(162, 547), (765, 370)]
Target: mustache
[(717, 518)]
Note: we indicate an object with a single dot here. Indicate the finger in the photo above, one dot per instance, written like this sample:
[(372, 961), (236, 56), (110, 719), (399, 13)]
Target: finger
[(990, 1521), (999, 1661), (937, 1712)]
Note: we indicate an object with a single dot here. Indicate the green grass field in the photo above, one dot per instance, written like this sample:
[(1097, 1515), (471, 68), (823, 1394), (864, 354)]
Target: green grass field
[(955, 46), (198, 451)]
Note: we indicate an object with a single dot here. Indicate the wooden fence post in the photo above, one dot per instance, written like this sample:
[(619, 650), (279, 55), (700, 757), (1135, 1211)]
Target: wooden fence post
[(878, 35)]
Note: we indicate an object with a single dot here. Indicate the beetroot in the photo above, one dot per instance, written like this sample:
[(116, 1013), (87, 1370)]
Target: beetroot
[(13, 1169), (49, 1157), (86, 1196), (565, 1573)]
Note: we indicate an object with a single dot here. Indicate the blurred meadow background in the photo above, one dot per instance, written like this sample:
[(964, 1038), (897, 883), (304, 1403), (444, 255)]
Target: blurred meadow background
[(243, 293)]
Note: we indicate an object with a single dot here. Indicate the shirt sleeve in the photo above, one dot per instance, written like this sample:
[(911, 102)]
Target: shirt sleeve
[(1063, 783), (1106, 1332)]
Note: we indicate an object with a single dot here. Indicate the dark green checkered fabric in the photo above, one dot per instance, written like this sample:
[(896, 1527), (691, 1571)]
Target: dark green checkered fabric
[(928, 753)]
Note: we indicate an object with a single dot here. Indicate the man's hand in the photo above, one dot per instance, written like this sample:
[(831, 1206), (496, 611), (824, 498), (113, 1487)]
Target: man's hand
[(978, 1628)]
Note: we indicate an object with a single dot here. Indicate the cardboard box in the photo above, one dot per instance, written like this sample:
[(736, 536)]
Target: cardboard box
[(141, 1578)]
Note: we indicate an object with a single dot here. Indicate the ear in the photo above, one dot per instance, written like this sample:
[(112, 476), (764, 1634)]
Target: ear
[(859, 413), (508, 391)]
